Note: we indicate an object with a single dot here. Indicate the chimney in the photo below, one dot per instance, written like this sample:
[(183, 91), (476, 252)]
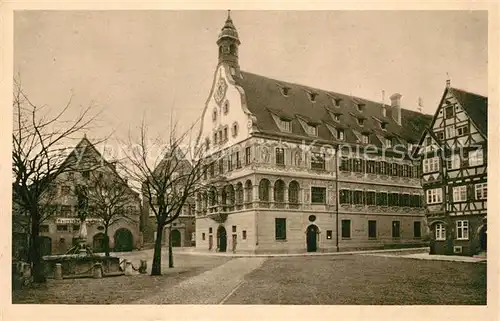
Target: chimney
[(396, 107)]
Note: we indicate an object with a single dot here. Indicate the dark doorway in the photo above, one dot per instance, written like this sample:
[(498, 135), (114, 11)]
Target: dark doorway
[(45, 245), (482, 238), (221, 239), (312, 238), (123, 240), (176, 238), (98, 243)]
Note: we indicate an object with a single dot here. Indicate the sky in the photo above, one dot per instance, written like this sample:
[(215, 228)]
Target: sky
[(159, 65)]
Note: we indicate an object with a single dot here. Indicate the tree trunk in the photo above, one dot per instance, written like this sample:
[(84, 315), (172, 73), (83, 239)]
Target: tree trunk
[(156, 267), (35, 255), (170, 255), (106, 241)]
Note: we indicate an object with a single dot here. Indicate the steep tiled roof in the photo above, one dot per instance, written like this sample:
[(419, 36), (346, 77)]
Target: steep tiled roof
[(476, 107), (264, 97)]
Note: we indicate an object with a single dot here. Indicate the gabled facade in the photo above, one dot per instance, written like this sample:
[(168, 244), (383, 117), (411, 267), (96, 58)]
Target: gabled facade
[(453, 156), (60, 231), (183, 227), (303, 169)]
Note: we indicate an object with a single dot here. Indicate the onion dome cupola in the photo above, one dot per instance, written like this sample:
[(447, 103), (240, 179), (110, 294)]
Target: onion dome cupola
[(228, 43)]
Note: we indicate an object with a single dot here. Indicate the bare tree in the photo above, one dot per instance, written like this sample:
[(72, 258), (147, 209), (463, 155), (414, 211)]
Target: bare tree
[(168, 176), (39, 157), (111, 200)]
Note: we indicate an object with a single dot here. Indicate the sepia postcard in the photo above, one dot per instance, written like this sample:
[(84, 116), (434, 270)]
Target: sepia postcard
[(286, 162)]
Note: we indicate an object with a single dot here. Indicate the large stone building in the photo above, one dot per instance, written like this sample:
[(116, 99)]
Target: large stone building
[(454, 173), (302, 169), (60, 231)]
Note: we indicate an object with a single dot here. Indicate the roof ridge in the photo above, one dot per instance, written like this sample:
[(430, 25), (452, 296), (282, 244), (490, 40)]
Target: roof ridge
[(325, 91), (469, 92)]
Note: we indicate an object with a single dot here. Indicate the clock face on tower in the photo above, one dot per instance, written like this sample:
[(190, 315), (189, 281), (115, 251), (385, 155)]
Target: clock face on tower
[(220, 90)]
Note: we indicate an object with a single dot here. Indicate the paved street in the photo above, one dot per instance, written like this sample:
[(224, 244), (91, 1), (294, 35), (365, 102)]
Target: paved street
[(333, 280)]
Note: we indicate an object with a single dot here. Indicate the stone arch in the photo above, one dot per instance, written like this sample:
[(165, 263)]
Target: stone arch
[(264, 190), (312, 237), (239, 194), (249, 191), (212, 196), (124, 240), (279, 193), (293, 194), (176, 238), (482, 237)]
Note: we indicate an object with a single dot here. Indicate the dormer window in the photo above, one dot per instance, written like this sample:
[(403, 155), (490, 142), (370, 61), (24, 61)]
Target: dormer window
[(285, 125), (312, 96), (312, 130), (384, 111), (388, 142), (364, 139), (428, 141), (336, 117), (361, 107), (383, 126), (361, 121), (336, 102), (340, 134), (284, 90)]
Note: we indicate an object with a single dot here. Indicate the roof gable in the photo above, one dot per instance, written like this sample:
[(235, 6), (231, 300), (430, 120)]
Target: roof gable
[(476, 107)]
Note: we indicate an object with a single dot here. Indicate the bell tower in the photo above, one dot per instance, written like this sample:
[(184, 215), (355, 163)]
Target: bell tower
[(228, 43)]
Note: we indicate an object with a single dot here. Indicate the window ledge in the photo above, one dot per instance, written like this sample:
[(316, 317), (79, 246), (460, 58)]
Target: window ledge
[(346, 238), (280, 240)]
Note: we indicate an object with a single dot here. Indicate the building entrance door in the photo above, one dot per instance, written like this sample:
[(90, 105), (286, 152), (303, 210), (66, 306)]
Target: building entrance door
[(222, 239), (312, 238)]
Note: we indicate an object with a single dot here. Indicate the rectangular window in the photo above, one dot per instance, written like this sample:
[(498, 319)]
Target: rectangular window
[(481, 191), (280, 228), (357, 165), (462, 230), (247, 155), (370, 198), (344, 164), (462, 130), (430, 165), (234, 228), (62, 227), (243, 235), (440, 135), (460, 193), (210, 230), (345, 196), (364, 139), (370, 167), (440, 232), (221, 166), (396, 229), (238, 160), (383, 168), (312, 130), (285, 125), (317, 161), (65, 211), (65, 190), (329, 234), (318, 195), (357, 197), (230, 163), (346, 229), (340, 134), (405, 171), (44, 228), (202, 236), (393, 199), (382, 198), (453, 162), (404, 200), (225, 133), (372, 229), (76, 227), (476, 157), (394, 169), (388, 143), (449, 112), (434, 196), (450, 131), (280, 156), (417, 229)]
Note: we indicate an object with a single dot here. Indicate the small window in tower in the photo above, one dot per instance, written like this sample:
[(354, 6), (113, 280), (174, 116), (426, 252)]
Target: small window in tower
[(340, 134), (235, 129), (383, 126), (284, 90), (361, 121), (225, 133), (214, 115), (226, 107), (215, 138), (336, 102), (312, 96)]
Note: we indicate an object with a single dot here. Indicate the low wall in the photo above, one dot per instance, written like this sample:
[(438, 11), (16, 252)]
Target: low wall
[(74, 265)]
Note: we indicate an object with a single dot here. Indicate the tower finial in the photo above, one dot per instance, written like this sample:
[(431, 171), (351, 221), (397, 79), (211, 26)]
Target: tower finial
[(448, 82), (228, 14)]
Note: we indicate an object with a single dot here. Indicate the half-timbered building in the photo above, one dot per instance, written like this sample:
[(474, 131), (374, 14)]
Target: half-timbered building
[(453, 156), (296, 168)]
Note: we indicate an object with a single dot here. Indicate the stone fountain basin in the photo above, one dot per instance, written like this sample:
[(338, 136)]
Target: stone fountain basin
[(80, 265)]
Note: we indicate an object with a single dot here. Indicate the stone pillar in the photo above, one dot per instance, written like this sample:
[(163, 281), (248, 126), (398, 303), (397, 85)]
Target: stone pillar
[(58, 272), (97, 271), (128, 268), (285, 196)]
